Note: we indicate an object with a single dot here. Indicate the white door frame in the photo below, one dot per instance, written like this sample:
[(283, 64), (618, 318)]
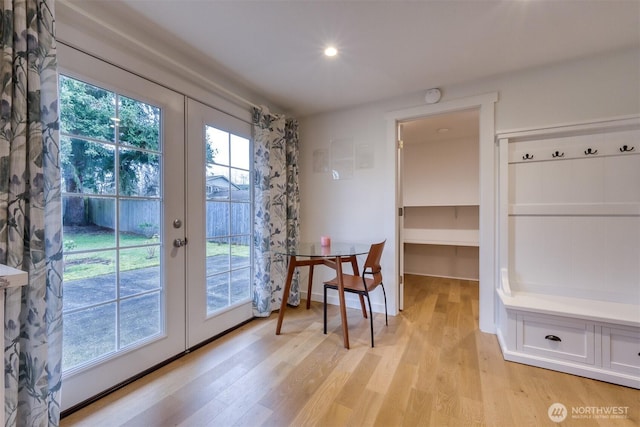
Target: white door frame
[(487, 158)]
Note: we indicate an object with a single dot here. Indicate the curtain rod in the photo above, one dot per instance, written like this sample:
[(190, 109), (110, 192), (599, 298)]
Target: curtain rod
[(159, 54)]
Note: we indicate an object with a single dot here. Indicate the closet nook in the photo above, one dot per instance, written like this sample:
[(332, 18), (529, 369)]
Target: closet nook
[(440, 172)]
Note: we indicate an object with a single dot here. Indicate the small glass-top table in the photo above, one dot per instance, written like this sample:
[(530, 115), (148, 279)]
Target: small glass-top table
[(315, 254)]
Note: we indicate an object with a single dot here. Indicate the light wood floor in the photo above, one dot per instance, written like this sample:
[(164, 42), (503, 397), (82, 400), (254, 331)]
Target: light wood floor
[(431, 367)]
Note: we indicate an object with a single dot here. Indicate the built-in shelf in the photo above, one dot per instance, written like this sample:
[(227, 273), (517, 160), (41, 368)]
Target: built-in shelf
[(443, 205), (450, 225), (569, 220), (449, 237)]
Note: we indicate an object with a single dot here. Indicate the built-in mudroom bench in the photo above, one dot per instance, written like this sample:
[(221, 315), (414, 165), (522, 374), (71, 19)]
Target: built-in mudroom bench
[(569, 249)]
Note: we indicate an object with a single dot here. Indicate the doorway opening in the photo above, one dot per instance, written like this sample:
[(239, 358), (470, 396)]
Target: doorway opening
[(440, 194), (483, 107)]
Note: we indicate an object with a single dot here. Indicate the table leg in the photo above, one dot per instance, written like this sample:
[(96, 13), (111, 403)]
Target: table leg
[(309, 286), (343, 305), (285, 292)]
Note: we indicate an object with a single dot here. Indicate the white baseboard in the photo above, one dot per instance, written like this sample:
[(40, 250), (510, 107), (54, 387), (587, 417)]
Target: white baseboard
[(352, 300)]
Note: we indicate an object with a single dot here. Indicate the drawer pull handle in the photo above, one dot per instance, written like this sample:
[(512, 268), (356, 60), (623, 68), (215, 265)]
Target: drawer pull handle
[(552, 338)]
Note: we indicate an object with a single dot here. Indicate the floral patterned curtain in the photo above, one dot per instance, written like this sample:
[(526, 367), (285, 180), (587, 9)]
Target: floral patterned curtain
[(30, 212), (277, 203)]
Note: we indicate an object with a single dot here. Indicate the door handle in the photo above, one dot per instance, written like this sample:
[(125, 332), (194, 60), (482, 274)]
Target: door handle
[(178, 243)]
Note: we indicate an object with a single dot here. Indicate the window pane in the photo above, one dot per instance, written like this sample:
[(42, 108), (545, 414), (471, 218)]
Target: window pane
[(218, 256), (217, 182), (139, 124), (139, 270), (240, 251), (217, 292), (140, 318), (89, 279), (241, 218), (139, 173), (217, 146), (239, 152), (88, 334), (240, 185), (139, 222), (86, 110), (87, 167), (240, 289), (217, 219), (88, 223)]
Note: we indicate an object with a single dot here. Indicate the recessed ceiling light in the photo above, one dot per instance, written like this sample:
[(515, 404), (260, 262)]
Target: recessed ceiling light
[(331, 51)]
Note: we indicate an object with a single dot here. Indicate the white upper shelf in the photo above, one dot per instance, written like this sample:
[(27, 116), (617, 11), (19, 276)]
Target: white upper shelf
[(441, 236)]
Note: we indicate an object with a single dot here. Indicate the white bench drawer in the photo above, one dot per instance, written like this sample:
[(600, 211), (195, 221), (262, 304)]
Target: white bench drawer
[(621, 349), (556, 337)]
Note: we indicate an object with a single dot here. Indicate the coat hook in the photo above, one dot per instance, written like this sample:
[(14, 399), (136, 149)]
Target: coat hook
[(625, 148), (590, 151), (527, 157), (557, 154)]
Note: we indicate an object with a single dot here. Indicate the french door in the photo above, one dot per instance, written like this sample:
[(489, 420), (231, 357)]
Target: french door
[(219, 218), (157, 224), (122, 161)]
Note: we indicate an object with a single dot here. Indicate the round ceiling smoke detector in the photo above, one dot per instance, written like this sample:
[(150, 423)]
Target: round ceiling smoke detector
[(432, 96)]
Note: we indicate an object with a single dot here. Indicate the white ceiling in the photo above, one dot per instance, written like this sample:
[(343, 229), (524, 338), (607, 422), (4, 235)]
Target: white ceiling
[(386, 48), (442, 127)]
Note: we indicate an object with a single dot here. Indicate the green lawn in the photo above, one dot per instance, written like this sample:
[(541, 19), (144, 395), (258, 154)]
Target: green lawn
[(85, 265)]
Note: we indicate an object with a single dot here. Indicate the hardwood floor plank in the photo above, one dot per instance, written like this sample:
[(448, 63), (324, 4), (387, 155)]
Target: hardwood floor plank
[(366, 411), (431, 367), (397, 396)]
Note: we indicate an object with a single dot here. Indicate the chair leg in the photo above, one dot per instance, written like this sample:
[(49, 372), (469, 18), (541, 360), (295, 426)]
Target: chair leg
[(370, 317), (325, 310), (364, 309), (386, 320)]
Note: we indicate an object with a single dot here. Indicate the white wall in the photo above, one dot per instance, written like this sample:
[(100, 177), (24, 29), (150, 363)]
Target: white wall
[(364, 208)]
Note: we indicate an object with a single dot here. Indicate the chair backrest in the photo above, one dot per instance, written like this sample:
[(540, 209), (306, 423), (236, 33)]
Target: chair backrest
[(372, 263)]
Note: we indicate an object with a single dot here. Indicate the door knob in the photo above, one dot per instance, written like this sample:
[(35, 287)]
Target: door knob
[(178, 243)]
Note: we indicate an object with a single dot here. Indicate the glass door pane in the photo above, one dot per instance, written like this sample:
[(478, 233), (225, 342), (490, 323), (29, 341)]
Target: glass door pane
[(228, 220), (112, 236)]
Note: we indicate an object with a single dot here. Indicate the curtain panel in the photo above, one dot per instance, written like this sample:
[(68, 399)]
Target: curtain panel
[(30, 212), (277, 204)]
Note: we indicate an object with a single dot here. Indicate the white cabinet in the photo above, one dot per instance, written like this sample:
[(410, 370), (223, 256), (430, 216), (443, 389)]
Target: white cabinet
[(621, 349), (556, 337), (569, 245)]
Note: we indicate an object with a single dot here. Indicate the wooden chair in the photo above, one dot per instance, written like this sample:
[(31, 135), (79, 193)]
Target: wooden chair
[(362, 285)]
